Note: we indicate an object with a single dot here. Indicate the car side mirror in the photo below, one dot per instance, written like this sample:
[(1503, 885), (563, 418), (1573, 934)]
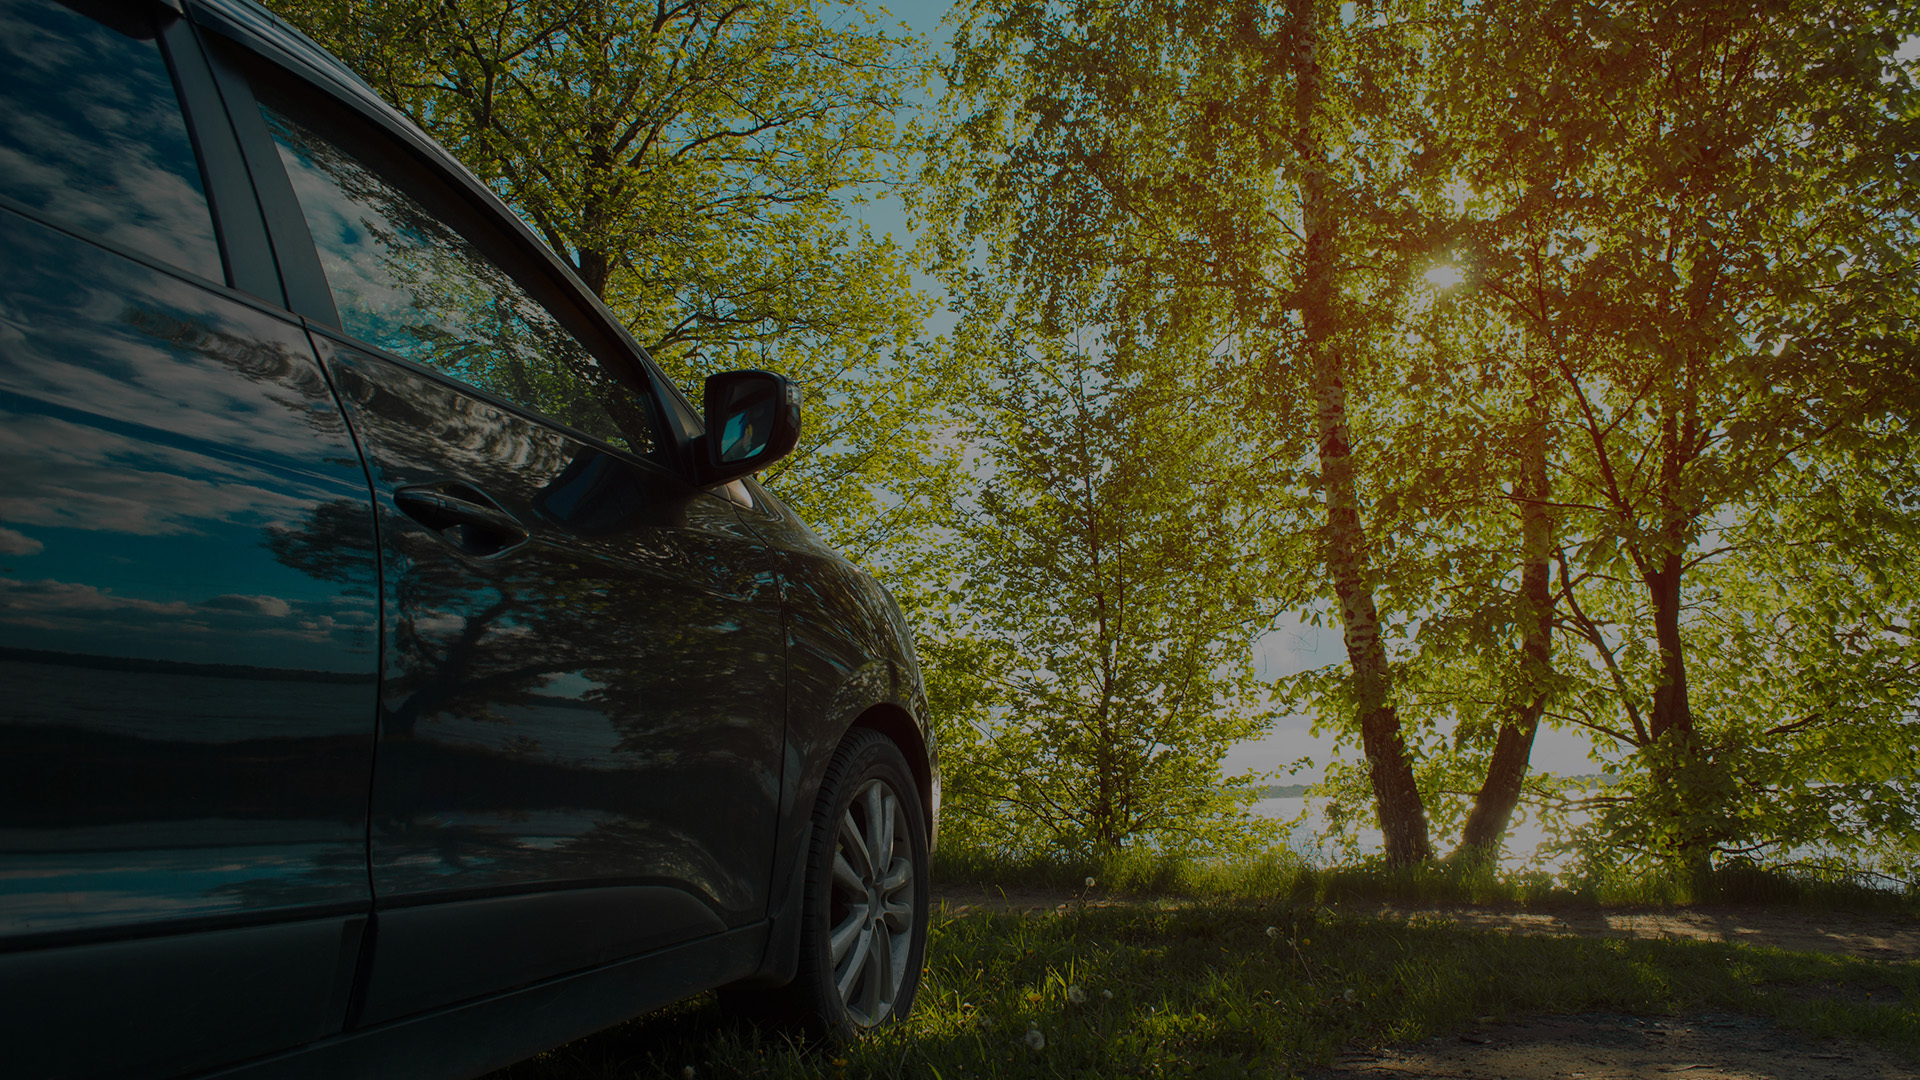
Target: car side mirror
[(753, 420)]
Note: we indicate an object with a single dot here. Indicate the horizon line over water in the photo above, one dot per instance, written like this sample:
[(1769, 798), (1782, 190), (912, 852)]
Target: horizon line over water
[(1524, 838)]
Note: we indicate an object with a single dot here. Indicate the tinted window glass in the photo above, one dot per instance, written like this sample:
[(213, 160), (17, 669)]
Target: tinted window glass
[(407, 280), (91, 135)]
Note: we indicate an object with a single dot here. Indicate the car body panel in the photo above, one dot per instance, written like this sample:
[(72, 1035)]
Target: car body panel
[(594, 709), (426, 956), (186, 745), (597, 705), (850, 662), (603, 817), (478, 1036), (176, 1004), (183, 690)]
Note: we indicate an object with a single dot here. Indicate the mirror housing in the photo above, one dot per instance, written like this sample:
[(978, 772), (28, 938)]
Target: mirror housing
[(753, 420)]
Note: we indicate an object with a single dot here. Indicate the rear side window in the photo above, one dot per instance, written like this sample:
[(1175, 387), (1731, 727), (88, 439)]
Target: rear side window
[(91, 133), (414, 273)]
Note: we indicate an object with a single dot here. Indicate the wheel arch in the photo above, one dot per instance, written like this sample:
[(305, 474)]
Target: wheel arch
[(894, 722)]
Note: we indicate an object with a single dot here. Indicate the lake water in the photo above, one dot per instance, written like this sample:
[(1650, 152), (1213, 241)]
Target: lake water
[(1523, 840)]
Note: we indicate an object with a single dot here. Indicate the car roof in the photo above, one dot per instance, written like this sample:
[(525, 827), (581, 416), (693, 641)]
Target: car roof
[(289, 40), (264, 32)]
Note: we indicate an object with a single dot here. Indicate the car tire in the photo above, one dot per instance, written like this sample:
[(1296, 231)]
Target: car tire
[(863, 931)]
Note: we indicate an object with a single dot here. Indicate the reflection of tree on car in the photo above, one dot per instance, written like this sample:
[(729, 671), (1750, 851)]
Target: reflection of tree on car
[(441, 301), (616, 669)]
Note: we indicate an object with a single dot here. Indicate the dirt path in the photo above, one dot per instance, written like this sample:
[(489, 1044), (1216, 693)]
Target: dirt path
[(1872, 937), (1709, 1046), (1600, 1046)]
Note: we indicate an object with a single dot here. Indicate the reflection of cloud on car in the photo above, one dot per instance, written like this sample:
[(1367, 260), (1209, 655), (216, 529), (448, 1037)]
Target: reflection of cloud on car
[(17, 543), (76, 611)]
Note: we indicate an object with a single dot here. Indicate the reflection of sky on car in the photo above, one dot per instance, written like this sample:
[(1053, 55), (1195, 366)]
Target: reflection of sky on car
[(405, 281), (114, 122), (563, 733), (70, 890), (164, 365), (69, 580), (342, 226), (156, 442), (328, 632), (88, 477)]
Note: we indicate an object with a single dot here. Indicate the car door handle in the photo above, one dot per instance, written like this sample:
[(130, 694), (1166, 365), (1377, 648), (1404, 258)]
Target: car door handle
[(463, 516)]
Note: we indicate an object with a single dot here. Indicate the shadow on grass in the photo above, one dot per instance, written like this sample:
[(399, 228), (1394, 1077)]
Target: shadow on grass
[(1239, 989)]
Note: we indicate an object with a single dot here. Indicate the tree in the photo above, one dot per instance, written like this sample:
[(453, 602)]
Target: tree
[(1202, 140), (1506, 204), (1686, 242), (1688, 211), (1326, 339), (1115, 563), (1741, 253)]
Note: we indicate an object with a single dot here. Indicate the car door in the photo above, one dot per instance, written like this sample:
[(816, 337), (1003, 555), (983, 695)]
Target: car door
[(580, 723), (188, 581)]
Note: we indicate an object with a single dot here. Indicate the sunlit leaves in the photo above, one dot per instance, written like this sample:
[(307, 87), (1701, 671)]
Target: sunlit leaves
[(1684, 242)]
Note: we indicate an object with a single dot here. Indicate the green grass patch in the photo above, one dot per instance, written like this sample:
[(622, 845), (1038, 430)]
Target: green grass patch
[(1233, 988), (1131, 873), (1281, 873)]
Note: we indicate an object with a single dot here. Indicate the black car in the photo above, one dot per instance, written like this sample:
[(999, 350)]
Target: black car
[(397, 675)]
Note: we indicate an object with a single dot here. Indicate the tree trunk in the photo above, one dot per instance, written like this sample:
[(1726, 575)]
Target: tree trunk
[(596, 270), (1672, 714), (1684, 781), (1403, 819), (1492, 811)]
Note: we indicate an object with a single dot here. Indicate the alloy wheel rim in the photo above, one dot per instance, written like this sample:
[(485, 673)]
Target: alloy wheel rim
[(872, 903)]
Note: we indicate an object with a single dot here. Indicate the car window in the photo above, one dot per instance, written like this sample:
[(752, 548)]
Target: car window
[(91, 133), (415, 275)]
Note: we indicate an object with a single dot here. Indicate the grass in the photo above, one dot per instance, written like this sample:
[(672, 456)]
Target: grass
[(1280, 873), (1234, 985)]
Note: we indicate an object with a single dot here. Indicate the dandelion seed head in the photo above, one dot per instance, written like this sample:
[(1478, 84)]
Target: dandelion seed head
[(1035, 1039), (1076, 995), (1349, 994), (1091, 883), (1107, 994), (1272, 932)]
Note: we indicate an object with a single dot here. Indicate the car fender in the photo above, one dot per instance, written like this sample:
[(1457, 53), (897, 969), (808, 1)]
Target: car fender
[(850, 663)]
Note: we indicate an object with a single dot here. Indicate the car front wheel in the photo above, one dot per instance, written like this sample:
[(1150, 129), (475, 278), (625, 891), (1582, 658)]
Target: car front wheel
[(864, 917)]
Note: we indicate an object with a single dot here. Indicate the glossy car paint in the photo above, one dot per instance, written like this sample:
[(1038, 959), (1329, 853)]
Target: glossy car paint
[(850, 660), (522, 858), (189, 661), (595, 707), (184, 748)]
